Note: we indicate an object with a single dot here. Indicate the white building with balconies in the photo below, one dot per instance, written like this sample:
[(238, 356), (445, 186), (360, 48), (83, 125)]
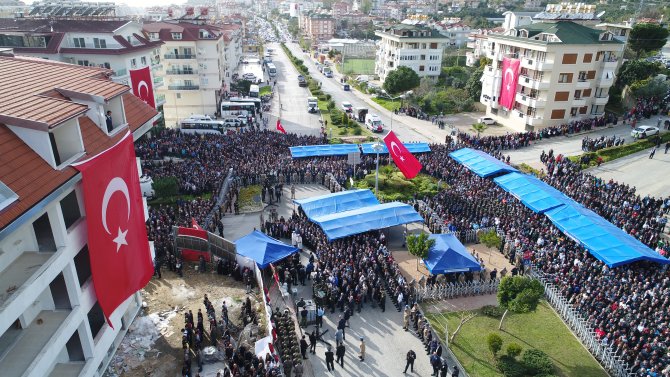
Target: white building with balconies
[(566, 71), (413, 46)]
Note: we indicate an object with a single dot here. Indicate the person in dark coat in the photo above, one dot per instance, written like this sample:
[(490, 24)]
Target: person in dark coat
[(411, 356), (444, 369), (303, 347), (339, 352), (312, 342), (330, 357)]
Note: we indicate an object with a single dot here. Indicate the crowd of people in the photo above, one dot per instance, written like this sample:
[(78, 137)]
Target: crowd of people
[(595, 144)]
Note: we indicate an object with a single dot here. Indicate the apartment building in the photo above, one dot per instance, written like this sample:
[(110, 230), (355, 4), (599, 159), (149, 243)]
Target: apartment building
[(118, 45), (414, 46), (194, 61), (50, 321), (565, 73), (318, 26)]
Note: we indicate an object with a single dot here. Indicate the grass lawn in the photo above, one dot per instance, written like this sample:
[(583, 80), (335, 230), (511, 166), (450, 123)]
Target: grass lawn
[(172, 200), (250, 198), (387, 103), (612, 153), (359, 66), (265, 90), (542, 330)]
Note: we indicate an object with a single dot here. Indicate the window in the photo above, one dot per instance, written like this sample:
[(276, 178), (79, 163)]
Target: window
[(588, 58), (82, 264), (99, 43), (176, 36), (569, 58), (573, 111), (590, 75), (433, 68), (133, 63), (582, 110), (95, 319), (578, 94), (433, 45), (143, 60), (44, 234), (70, 208), (586, 93), (421, 68), (79, 42), (423, 57), (558, 114), (565, 78), (561, 96), (106, 65), (83, 62), (581, 76)]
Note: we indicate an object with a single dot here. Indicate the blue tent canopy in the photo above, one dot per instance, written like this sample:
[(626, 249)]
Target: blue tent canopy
[(535, 194), (601, 238), (411, 147), (263, 249), (323, 150), (482, 164), (449, 255), (360, 220), (337, 202)]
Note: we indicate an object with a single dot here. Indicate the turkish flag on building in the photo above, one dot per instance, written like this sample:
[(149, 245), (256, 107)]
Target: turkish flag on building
[(280, 128), (117, 237), (406, 162), (143, 86), (510, 78)]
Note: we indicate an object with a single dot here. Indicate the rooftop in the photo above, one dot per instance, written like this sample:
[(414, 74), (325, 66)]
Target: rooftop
[(44, 25), (189, 31), (411, 31), (567, 32)]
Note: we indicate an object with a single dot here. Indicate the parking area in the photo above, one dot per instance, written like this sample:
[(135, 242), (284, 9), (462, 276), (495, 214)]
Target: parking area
[(251, 65)]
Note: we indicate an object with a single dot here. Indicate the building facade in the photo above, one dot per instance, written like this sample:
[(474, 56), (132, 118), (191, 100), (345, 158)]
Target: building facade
[(566, 71), (50, 321), (318, 26), (194, 68), (413, 46), (118, 45)]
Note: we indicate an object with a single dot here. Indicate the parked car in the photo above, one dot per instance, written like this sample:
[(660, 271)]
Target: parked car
[(301, 81), (249, 76), (487, 121), (362, 78), (232, 122), (644, 131), (347, 107)]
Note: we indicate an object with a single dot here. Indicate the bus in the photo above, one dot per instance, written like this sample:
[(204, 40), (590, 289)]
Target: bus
[(254, 91), (191, 126), (272, 70), (238, 108), (255, 101)]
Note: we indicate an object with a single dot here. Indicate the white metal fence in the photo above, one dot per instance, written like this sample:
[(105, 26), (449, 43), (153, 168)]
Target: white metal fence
[(447, 291)]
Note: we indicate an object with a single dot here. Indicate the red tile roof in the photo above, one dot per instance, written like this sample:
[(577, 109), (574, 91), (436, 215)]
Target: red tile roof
[(189, 31), (21, 168)]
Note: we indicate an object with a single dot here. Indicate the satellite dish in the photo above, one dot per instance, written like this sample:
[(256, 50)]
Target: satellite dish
[(600, 14)]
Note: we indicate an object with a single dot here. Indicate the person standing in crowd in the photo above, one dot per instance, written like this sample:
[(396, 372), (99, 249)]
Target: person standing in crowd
[(330, 358), (303, 347), (436, 363), (653, 152), (312, 342), (410, 357), (361, 347), (339, 353), (319, 316), (444, 369), (298, 369)]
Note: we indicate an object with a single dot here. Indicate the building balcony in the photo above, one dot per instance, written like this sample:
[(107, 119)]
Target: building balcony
[(530, 101), (24, 269), (181, 72), (610, 63), (119, 73), (156, 66), (606, 81), (73, 368), (23, 347), (601, 100), (534, 121), (536, 65), (160, 99), (597, 113), (582, 84), (183, 87), (489, 71), (158, 82), (578, 102), (179, 56), (533, 84)]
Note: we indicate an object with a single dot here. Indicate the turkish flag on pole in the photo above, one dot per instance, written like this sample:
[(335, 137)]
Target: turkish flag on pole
[(194, 224), (143, 86), (510, 72), (117, 237), (406, 162), (280, 128)]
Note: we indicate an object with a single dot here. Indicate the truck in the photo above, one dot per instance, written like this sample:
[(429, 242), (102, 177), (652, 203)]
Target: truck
[(327, 72), (374, 123), (312, 105), (301, 81)]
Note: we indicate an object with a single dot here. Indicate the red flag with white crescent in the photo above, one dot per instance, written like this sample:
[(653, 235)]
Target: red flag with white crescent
[(406, 162), (280, 128), (121, 261), (194, 224), (510, 79), (143, 86)]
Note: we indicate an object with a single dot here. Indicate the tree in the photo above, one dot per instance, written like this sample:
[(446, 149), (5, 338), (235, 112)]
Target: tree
[(520, 294), (651, 87), (474, 85), (514, 350), (166, 187), (419, 246), (479, 128), (490, 238), (636, 70), (366, 6), (647, 37), (494, 342), (401, 79)]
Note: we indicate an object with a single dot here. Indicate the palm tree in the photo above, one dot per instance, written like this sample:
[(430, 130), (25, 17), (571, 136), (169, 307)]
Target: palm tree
[(479, 128)]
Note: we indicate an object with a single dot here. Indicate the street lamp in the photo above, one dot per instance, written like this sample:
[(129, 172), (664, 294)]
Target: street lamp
[(402, 96), (377, 148)]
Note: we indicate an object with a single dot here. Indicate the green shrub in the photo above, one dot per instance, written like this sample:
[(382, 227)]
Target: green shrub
[(494, 342), (537, 362), (492, 311), (328, 97), (514, 350), (342, 132), (490, 238), (165, 187), (510, 367), (358, 131)]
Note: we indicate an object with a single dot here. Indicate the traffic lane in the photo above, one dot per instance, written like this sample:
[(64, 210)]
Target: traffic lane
[(333, 87)]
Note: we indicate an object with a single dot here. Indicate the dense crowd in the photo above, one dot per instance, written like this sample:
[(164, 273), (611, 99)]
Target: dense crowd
[(595, 144)]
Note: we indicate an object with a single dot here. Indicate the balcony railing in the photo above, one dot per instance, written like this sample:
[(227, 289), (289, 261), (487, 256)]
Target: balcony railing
[(183, 87), (160, 99), (181, 72), (179, 56), (121, 72)]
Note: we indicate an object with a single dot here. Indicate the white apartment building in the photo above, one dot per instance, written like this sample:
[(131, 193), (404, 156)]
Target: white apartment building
[(50, 321), (118, 45), (566, 71), (194, 61), (413, 46)]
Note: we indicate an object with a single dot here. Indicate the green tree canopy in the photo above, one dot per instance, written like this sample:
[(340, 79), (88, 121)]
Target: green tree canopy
[(474, 85), (400, 80), (419, 245), (636, 70), (519, 294), (651, 87), (647, 37)]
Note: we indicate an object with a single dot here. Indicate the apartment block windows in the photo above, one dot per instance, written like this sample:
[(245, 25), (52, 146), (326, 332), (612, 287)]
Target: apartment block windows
[(581, 76), (433, 68), (561, 96), (578, 94), (143, 60), (70, 208), (565, 78), (133, 63), (421, 68), (569, 58), (573, 111), (433, 45), (423, 57), (79, 42), (99, 43), (176, 36)]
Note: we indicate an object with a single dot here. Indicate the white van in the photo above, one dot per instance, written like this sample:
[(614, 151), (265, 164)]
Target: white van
[(312, 105), (199, 117), (374, 123), (254, 91)]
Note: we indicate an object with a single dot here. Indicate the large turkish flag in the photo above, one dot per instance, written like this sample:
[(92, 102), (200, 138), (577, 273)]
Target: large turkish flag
[(117, 237), (510, 78), (143, 86), (406, 162)]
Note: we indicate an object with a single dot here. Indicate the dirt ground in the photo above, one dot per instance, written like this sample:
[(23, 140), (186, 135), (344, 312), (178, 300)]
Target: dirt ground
[(152, 346)]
